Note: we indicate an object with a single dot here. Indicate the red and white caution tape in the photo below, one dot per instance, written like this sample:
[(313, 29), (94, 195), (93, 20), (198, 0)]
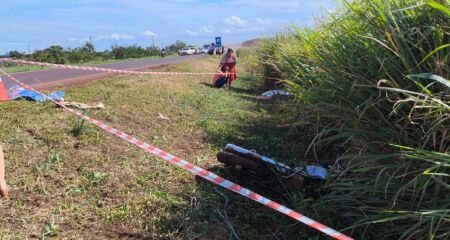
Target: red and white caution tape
[(108, 70), (210, 176)]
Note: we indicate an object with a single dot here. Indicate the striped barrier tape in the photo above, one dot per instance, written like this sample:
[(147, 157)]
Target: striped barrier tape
[(108, 70), (210, 176)]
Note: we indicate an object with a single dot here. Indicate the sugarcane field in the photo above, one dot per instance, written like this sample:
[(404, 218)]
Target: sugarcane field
[(189, 119)]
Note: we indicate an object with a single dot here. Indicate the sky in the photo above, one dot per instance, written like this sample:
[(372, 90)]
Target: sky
[(27, 25)]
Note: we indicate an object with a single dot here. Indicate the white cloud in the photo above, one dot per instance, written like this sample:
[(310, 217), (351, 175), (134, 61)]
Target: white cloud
[(264, 21), (207, 29), (115, 36), (185, 1), (77, 39), (204, 30), (235, 20), (257, 25), (191, 33), (286, 4), (148, 34), (245, 19)]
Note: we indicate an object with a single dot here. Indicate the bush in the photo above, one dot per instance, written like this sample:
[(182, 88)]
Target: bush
[(55, 54), (16, 55), (177, 46), (376, 76), (133, 51), (82, 54), (87, 53), (248, 57)]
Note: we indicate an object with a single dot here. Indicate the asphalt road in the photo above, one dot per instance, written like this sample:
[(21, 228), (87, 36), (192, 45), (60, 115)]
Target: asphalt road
[(68, 77)]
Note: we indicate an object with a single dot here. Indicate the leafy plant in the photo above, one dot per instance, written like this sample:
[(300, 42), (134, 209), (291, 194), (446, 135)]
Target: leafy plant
[(375, 77)]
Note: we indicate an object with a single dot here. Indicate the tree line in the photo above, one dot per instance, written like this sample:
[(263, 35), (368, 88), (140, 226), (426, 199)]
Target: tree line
[(87, 53)]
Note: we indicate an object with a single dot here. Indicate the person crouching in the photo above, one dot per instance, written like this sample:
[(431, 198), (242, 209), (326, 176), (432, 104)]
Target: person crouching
[(227, 66)]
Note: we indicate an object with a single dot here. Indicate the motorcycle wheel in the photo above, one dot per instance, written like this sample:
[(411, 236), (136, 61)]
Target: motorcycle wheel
[(244, 164)]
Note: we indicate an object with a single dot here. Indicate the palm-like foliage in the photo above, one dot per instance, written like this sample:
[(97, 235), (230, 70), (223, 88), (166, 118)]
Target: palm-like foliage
[(376, 75)]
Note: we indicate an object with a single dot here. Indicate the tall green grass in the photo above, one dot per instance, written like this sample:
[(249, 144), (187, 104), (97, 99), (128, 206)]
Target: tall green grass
[(375, 75)]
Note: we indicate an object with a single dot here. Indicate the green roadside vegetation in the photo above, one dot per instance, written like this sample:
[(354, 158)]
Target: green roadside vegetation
[(71, 180), (87, 54), (374, 80), (15, 68)]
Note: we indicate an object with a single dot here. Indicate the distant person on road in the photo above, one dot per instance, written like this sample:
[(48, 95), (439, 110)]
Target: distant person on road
[(3, 186), (227, 66), (212, 49), (163, 52)]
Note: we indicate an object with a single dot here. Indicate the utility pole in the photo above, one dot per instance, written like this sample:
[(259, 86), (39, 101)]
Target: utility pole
[(153, 40)]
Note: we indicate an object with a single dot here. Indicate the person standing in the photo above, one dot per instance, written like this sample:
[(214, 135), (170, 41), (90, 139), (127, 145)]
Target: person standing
[(3, 187), (227, 65)]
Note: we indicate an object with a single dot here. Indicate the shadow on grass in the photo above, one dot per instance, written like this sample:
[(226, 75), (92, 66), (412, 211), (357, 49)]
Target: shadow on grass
[(275, 129), (272, 128), (207, 84), (239, 89)]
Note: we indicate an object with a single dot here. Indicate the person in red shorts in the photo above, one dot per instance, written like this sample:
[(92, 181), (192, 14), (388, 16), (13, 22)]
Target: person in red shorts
[(228, 65)]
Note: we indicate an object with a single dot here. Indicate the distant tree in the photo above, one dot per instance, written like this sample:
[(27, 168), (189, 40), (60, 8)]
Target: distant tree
[(133, 51), (118, 52), (87, 53), (89, 47), (40, 56), (74, 55), (16, 55), (177, 46), (105, 55), (56, 54), (153, 51)]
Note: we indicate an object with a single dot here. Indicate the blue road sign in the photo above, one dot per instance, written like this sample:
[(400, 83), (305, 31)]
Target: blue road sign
[(218, 42)]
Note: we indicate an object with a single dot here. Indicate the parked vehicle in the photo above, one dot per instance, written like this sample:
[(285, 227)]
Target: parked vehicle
[(219, 50), (187, 51), (212, 50), (201, 50)]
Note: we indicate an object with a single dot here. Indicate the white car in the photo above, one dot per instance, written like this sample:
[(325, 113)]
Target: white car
[(187, 51), (201, 50)]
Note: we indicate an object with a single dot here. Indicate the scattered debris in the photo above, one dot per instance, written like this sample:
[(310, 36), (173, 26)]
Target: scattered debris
[(17, 92), (161, 116), (312, 171), (270, 94), (264, 168), (82, 105)]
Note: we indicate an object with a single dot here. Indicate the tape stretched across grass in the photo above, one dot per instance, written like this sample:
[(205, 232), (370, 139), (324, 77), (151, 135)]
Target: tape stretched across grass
[(210, 176)]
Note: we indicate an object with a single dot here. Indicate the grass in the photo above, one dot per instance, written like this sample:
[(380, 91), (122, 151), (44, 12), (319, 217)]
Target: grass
[(23, 68), (69, 180), (374, 79), (16, 68)]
